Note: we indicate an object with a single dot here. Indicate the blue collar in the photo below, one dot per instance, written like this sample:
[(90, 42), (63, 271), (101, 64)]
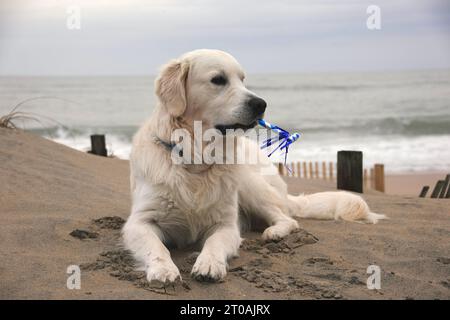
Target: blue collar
[(169, 146)]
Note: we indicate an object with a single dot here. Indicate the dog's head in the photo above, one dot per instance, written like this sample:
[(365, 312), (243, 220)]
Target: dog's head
[(208, 86)]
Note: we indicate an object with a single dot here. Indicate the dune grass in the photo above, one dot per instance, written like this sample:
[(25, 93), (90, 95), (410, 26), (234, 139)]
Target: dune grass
[(10, 120)]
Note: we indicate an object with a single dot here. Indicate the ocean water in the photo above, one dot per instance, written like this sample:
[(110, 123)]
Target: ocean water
[(401, 119)]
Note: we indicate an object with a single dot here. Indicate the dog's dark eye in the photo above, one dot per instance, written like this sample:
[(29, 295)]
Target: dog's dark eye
[(219, 80)]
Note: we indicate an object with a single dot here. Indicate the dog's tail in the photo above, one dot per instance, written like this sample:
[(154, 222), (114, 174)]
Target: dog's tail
[(373, 217), (332, 206)]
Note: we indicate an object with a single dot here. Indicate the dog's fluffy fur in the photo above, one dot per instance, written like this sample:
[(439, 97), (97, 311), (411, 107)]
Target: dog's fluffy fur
[(179, 205)]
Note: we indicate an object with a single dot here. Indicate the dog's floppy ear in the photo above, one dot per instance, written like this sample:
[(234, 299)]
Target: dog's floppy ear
[(171, 87)]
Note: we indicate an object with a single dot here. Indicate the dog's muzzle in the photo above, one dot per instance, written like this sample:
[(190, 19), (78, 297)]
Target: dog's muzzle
[(224, 127)]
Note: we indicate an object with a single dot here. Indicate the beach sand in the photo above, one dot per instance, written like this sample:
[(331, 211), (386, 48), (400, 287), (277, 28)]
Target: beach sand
[(49, 191), (412, 184)]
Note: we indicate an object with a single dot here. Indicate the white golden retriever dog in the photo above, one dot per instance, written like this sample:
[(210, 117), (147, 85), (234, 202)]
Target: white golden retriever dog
[(179, 205)]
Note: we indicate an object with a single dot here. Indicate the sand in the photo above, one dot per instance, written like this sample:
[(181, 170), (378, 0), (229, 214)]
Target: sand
[(412, 184), (61, 207)]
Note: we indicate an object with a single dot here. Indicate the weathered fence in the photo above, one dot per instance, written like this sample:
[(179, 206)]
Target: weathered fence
[(441, 189)]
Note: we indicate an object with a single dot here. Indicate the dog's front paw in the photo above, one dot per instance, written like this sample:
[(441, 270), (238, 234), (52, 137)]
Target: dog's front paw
[(209, 268), (163, 270), (279, 230)]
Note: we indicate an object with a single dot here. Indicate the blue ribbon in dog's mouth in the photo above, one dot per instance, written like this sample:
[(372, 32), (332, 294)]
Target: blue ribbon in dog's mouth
[(283, 136)]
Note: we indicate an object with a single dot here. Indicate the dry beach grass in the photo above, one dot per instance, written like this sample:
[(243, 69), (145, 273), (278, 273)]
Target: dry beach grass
[(49, 191)]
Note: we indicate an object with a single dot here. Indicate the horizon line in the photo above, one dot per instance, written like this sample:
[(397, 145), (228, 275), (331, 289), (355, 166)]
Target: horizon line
[(19, 75)]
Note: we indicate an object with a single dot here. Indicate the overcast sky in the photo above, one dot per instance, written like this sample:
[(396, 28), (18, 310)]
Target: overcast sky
[(134, 37)]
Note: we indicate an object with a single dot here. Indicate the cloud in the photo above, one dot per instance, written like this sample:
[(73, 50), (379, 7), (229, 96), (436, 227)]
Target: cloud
[(135, 37)]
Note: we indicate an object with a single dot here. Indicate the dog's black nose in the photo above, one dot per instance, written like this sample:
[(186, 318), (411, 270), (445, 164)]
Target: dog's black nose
[(257, 105)]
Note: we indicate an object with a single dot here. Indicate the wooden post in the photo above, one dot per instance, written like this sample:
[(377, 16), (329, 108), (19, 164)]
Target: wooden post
[(280, 168), (324, 170), (447, 196), (365, 177), (331, 174), (437, 188), (316, 170), (444, 187), (98, 146), (305, 172), (424, 191), (379, 177), (349, 171), (299, 169), (311, 170), (372, 178)]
